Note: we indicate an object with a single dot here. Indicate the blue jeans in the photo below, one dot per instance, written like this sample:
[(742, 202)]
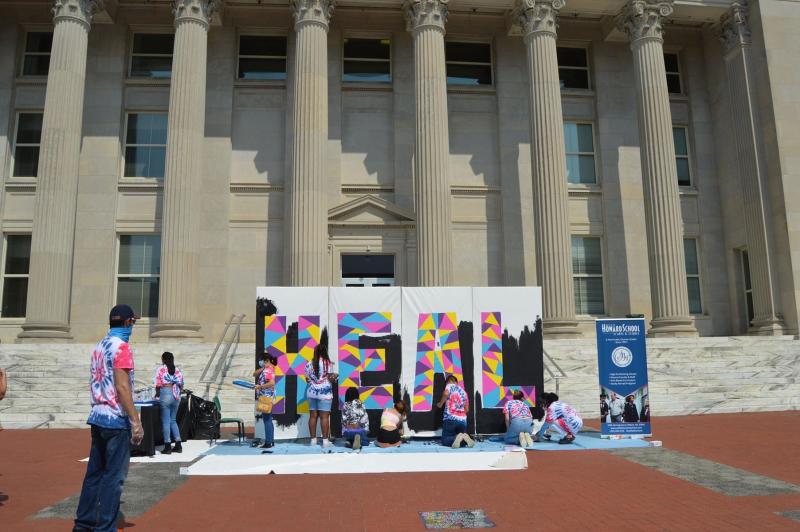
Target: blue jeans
[(350, 435), (169, 410), (450, 429), (269, 428), (517, 426), (98, 508)]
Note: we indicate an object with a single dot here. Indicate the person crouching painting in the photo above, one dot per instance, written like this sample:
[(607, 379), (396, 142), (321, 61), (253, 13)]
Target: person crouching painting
[(561, 420)]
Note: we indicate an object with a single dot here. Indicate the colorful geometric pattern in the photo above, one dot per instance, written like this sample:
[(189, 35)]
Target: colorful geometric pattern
[(308, 338), (353, 360), (495, 395), (438, 351)]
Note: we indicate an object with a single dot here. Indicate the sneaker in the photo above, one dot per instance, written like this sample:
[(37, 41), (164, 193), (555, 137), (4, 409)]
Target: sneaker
[(267, 446), (528, 440), (357, 442), (167, 449), (457, 442), (469, 441), (177, 448), (326, 443), (313, 442), (566, 440), (523, 441)]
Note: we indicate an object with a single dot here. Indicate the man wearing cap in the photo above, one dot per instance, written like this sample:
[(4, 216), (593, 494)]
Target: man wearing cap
[(114, 421)]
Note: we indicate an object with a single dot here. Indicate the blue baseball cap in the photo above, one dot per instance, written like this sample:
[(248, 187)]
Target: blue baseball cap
[(122, 313)]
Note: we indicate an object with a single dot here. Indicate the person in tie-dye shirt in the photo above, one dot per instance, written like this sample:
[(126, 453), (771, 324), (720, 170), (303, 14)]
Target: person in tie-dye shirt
[(560, 420), (115, 424), (168, 381), (519, 420), (456, 407)]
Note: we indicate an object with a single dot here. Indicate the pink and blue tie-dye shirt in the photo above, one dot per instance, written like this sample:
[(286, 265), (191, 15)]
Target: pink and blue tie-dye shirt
[(263, 378), (163, 377), (110, 354), (456, 406), (517, 409), (564, 414)]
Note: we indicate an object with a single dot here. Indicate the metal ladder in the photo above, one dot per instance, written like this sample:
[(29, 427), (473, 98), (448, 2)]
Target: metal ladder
[(225, 348)]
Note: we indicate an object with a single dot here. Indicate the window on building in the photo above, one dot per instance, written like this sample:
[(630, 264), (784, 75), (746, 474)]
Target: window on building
[(17, 258), (579, 144), (151, 55), (693, 275), (36, 57), (468, 63), (368, 270), (573, 68), (146, 145), (681, 137), (367, 60), (673, 67), (262, 57), (26, 144), (748, 288), (138, 273), (587, 275)]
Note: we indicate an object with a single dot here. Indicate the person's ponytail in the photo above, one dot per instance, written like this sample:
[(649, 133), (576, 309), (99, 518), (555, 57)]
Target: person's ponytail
[(169, 360)]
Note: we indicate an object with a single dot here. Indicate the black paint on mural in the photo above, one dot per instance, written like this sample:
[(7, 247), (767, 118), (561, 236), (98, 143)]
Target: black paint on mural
[(523, 365), (430, 421)]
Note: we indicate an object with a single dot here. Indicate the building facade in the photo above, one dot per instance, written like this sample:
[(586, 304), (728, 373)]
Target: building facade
[(629, 156)]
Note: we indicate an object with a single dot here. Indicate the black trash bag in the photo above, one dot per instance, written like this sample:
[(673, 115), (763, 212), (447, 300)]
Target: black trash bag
[(184, 417), (205, 419)]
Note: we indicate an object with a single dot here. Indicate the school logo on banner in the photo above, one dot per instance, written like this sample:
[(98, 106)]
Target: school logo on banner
[(622, 361)]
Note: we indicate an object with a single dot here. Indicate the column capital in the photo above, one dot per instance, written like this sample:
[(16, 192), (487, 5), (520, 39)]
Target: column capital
[(198, 11), (643, 19), (425, 13), (537, 16), (734, 26), (312, 11), (78, 10)]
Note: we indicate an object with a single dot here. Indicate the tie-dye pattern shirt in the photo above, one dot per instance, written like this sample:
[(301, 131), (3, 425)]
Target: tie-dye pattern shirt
[(266, 375), (110, 354), (517, 409), (456, 406), (562, 411), (163, 377), (319, 386)]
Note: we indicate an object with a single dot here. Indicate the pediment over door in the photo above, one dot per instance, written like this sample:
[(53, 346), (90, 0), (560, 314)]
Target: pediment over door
[(370, 210)]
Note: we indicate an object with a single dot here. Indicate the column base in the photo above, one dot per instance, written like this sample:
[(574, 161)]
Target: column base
[(767, 327), (44, 332), (176, 331), (672, 328), (559, 329)]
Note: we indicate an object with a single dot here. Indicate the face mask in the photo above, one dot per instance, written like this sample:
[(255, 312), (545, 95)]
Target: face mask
[(261, 363), (123, 333)]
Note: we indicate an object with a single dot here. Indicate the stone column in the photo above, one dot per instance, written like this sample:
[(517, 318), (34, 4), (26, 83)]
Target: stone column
[(308, 206), (735, 36), (180, 239), (426, 20), (642, 20), (538, 20), (49, 284)]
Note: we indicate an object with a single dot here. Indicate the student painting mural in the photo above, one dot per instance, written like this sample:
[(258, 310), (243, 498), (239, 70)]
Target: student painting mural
[(395, 343)]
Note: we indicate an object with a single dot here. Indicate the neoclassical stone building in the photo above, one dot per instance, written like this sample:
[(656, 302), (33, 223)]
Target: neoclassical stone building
[(629, 156)]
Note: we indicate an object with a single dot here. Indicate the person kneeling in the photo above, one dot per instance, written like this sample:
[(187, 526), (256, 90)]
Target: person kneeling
[(560, 420), (391, 429), (355, 421), (519, 421), (456, 407)]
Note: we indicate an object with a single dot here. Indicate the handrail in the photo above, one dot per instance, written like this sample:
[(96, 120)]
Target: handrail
[(234, 321), (548, 361)]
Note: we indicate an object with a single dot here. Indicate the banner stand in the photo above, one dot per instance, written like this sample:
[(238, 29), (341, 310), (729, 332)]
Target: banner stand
[(622, 364)]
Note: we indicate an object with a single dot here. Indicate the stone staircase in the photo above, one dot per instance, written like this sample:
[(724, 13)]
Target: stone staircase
[(693, 376), (48, 383)]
